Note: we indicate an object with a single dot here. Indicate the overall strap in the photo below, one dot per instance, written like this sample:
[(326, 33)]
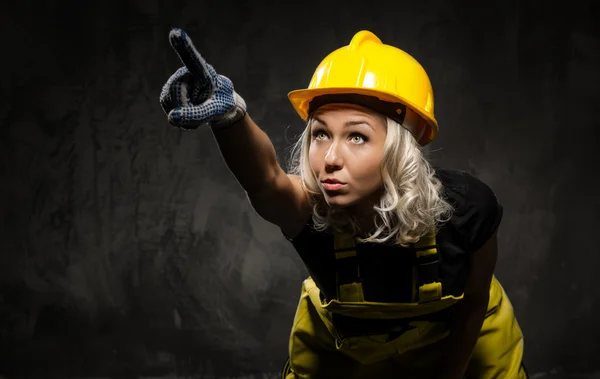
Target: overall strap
[(426, 286), (426, 270), (347, 273)]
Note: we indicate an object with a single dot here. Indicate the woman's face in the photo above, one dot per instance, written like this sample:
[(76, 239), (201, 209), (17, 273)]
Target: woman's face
[(347, 145)]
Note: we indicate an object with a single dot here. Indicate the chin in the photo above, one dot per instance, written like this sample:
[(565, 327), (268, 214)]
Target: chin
[(338, 201)]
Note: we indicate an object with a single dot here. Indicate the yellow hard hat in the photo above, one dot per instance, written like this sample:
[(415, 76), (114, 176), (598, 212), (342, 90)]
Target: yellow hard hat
[(379, 76)]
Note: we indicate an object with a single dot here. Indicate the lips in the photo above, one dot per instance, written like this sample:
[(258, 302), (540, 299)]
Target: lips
[(332, 181), (332, 185)]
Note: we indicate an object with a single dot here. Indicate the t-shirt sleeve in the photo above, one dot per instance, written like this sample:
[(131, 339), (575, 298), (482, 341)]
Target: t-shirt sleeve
[(478, 214), (286, 236)]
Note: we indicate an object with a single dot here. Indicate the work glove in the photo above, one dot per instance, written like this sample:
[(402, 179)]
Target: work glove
[(195, 94)]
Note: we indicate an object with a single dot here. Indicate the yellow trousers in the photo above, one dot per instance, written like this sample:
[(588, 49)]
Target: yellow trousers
[(316, 350)]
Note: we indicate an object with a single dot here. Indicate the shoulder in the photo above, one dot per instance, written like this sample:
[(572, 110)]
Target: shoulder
[(477, 213), (466, 192)]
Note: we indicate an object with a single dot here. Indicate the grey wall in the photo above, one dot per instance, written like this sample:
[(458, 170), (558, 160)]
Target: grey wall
[(129, 250)]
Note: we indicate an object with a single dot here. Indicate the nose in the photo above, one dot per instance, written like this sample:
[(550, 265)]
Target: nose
[(333, 158)]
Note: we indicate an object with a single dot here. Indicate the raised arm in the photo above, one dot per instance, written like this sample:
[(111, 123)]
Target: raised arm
[(196, 95), (249, 154)]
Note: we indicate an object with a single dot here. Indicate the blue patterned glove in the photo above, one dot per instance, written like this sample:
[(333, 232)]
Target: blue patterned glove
[(195, 94)]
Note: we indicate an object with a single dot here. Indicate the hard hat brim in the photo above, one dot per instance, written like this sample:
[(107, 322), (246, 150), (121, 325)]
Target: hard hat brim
[(301, 99)]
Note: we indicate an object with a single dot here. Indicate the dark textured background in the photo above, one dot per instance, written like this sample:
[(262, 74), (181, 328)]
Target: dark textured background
[(129, 250)]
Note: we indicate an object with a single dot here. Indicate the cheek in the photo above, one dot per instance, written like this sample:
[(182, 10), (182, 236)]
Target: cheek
[(312, 156), (316, 153), (369, 168), (315, 162)]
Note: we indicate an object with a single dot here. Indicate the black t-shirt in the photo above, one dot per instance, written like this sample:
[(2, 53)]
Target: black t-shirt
[(386, 270)]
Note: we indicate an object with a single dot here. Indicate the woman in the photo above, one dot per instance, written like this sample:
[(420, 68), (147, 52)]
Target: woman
[(401, 255)]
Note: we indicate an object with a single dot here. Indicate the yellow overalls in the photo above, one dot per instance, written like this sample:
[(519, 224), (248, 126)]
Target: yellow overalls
[(317, 349)]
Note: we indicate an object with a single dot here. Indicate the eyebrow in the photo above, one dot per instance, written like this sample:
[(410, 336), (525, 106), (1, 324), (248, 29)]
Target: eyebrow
[(347, 123)]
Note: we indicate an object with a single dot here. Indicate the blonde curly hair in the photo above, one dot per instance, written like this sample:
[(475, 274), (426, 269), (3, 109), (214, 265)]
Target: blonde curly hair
[(411, 203)]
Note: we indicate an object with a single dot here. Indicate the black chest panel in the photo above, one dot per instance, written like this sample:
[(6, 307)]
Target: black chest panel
[(386, 271)]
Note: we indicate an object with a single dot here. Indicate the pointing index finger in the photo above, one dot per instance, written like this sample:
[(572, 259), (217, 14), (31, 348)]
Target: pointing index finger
[(190, 57)]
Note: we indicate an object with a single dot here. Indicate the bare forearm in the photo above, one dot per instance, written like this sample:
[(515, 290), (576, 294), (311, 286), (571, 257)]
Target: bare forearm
[(464, 332), (249, 154)]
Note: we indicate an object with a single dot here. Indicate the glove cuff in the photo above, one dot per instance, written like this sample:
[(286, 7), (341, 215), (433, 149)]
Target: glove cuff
[(233, 115)]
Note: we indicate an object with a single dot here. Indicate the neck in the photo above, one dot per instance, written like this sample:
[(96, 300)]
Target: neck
[(364, 217), (364, 214)]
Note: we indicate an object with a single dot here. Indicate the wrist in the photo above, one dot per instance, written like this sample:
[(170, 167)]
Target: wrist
[(236, 113), (217, 127)]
